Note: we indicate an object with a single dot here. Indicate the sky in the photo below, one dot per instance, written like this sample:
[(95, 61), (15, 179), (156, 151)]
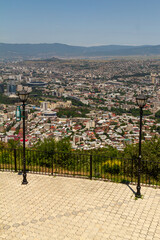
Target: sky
[(80, 22)]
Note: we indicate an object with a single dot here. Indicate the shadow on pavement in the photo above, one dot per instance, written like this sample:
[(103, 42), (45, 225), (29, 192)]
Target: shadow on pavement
[(131, 189), (127, 183)]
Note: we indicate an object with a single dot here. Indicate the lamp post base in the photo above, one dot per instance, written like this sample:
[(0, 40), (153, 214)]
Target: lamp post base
[(138, 193), (24, 179)]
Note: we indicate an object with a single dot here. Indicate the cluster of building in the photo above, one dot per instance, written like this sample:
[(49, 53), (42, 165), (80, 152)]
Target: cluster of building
[(97, 130), (100, 86)]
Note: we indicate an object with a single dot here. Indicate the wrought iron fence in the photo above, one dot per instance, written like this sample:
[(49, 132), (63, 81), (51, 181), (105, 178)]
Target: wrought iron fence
[(85, 165)]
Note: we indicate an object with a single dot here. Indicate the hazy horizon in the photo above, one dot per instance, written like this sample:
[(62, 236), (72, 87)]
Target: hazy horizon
[(96, 45)]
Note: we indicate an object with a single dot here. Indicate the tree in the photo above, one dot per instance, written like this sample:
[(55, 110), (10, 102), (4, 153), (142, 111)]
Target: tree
[(63, 145), (2, 145), (12, 144), (158, 129), (150, 150), (47, 145), (157, 114), (44, 152)]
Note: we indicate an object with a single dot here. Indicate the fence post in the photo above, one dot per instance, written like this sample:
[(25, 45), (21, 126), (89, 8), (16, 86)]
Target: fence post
[(111, 168), (52, 164), (91, 166), (15, 160), (132, 172)]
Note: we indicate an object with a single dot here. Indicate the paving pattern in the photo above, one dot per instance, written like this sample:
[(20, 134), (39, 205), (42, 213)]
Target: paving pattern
[(71, 208)]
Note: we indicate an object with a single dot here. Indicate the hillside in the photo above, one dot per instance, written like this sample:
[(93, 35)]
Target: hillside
[(43, 51)]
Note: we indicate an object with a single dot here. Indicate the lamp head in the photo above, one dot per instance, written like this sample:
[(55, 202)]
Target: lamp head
[(23, 95), (141, 100)]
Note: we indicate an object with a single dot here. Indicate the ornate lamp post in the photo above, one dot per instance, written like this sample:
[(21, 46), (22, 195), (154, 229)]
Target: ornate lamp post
[(23, 96), (141, 102)]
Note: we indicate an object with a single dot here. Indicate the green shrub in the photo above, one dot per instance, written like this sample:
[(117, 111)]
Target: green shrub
[(112, 167)]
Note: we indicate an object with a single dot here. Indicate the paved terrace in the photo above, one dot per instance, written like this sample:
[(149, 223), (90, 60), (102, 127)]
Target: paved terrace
[(71, 208)]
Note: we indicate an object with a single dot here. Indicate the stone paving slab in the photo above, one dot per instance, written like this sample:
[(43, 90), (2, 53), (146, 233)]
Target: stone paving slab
[(71, 208)]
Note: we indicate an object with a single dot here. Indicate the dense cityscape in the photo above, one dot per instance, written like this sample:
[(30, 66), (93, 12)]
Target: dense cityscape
[(91, 102), (79, 120)]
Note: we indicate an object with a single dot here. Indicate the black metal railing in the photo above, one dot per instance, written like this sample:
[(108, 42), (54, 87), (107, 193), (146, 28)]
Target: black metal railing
[(81, 165)]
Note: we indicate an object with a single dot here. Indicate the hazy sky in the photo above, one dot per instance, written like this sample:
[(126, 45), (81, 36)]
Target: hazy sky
[(80, 22)]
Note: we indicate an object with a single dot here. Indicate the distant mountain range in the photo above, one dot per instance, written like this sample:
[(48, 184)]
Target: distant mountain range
[(43, 51)]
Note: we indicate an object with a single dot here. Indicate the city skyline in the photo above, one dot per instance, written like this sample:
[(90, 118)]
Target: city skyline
[(85, 23)]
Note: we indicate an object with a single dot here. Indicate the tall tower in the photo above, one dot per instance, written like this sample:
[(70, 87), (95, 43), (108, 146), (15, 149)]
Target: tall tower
[(153, 78), (45, 106), (1, 88), (11, 87)]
